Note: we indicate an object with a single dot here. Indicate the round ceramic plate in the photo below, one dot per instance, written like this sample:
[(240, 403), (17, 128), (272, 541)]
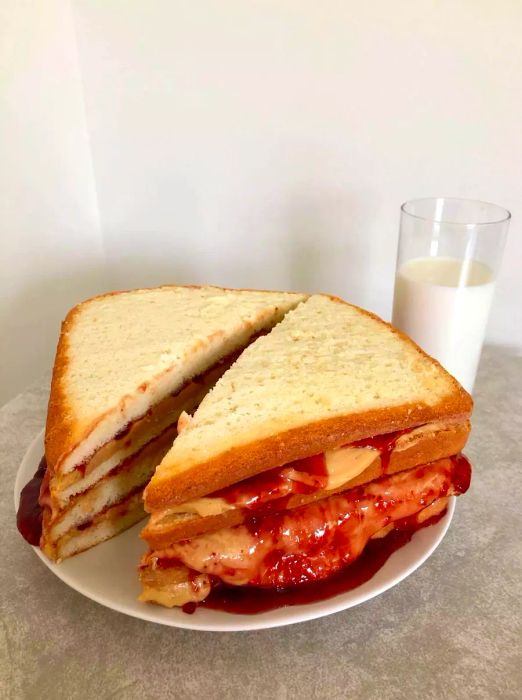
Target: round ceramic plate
[(108, 575)]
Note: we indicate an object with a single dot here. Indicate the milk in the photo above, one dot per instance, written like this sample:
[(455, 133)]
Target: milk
[(443, 304)]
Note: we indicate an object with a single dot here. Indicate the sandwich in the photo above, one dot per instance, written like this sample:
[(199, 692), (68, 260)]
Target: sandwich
[(329, 433), (127, 366)]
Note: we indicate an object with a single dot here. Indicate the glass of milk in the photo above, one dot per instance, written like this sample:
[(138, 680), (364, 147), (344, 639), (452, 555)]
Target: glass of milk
[(447, 262)]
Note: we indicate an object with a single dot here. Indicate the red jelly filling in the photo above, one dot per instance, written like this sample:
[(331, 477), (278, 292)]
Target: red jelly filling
[(315, 542), (247, 600), (303, 476), (384, 444), (300, 477)]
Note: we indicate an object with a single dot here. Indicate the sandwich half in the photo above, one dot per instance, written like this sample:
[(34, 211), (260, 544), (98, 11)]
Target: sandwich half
[(332, 430), (127, 365)]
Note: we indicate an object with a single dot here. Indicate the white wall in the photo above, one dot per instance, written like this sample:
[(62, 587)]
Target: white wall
[(50, 240), (271, 143)]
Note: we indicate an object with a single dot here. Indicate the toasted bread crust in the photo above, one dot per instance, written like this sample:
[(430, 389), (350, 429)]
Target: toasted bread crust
[(63, 432), (239, 463), (447, 441)]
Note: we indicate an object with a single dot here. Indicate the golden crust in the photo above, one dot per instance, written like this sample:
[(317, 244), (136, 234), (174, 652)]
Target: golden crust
[(239, 463), (61, 430), (431, 447)]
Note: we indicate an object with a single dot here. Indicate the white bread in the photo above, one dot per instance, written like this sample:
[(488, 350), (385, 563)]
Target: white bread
[(327, 375), (120, 353)]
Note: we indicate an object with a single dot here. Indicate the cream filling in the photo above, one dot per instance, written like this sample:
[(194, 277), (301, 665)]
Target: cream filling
[(413, 435), (209, 505), (237, 555), (237, 550)]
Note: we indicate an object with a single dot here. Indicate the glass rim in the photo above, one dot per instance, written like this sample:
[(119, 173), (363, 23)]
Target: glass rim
[(467, 224)]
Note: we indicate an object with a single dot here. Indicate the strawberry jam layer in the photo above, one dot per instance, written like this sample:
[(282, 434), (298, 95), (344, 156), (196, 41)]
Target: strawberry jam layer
[(249, 600), (312, 543), (303, 476)]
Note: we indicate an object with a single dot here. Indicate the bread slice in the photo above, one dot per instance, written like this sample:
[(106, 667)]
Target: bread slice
[(160, 418), (422, 445), (122, 352), (329, 374)]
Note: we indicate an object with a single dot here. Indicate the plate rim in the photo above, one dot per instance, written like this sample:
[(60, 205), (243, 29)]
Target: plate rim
[(238, 623)]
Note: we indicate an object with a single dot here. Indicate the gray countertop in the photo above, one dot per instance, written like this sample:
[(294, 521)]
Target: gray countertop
[(451, 630)]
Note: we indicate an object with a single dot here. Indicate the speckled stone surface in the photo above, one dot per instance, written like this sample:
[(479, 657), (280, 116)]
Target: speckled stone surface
[(451, 630)]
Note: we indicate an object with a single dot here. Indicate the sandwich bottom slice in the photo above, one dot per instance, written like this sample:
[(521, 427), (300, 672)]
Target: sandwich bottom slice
[(290, 535)]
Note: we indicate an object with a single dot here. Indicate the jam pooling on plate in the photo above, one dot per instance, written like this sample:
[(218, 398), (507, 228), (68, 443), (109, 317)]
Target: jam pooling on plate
[(247, 600), (35, 495), (29, 514), (281, 551)]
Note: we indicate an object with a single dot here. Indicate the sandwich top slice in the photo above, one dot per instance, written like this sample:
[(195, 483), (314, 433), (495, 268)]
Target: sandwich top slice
[(306, 433), (127, 365), (328, 375)]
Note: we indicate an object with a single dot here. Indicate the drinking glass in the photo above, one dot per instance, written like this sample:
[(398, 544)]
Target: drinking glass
[(447, 262)]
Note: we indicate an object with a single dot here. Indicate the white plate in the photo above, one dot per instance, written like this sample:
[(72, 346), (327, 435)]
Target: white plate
[(108, 575)]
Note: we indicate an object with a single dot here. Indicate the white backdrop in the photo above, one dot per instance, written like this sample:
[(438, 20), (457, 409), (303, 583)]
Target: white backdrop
[(264, 144)]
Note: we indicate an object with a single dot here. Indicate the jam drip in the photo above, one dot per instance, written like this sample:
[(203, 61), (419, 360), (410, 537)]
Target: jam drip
[(29, 514), (461, 473), (384, 444)]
